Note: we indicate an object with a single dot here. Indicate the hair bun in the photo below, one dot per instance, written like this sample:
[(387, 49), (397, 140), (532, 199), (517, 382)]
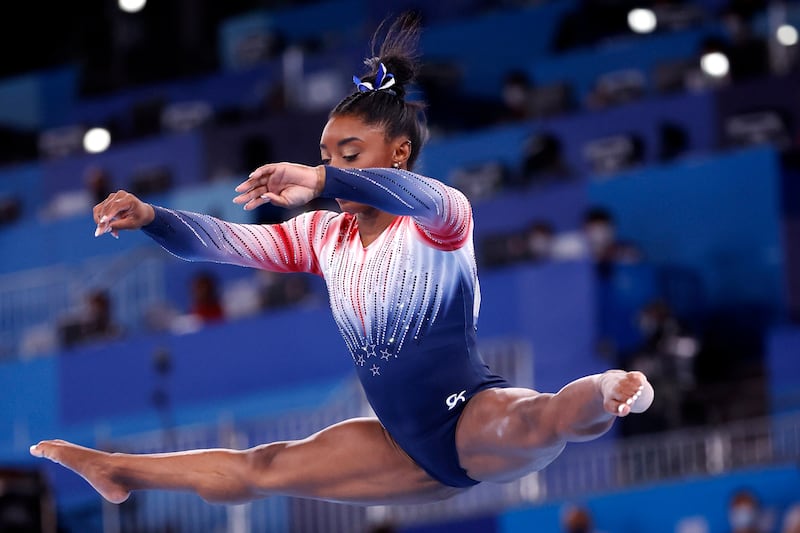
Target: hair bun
[(398, 52)]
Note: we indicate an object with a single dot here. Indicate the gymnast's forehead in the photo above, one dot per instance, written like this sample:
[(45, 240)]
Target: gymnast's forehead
[(347, 129)]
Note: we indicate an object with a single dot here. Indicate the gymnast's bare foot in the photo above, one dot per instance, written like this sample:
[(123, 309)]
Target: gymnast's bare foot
[(92, 465), (625, 392)]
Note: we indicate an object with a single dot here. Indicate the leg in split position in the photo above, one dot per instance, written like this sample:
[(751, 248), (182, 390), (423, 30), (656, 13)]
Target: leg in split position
[(502, 434)]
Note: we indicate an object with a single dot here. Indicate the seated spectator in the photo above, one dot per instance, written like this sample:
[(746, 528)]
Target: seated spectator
[(542, 160), (206, 304), (97, 183), (791, 520), (281, 290), (539, 238), (616, 88), (667, 355), (748, 54), (516, 96), (10, 209), (599, 231), (576, 519), (551, 100), (92, 323), (97, 187), (480, 180), (533, 243), (745, 514)]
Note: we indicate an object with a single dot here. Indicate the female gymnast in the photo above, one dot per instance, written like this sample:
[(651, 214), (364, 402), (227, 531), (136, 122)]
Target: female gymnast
[(401, 276)]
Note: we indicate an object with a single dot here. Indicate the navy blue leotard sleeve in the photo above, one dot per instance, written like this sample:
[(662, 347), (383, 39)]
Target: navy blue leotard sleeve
[(442, 214)]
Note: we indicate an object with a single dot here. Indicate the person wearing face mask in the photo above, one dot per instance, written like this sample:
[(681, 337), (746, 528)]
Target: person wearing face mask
[(539, 239), (600, 234), (744, 513), (791, 520), (516, 96)]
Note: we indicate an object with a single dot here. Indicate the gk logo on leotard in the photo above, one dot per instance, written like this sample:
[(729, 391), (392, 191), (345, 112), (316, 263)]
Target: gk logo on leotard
[(453, 399)]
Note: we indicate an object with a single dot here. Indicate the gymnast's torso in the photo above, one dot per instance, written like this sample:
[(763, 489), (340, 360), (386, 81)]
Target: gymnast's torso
[(406, 305)]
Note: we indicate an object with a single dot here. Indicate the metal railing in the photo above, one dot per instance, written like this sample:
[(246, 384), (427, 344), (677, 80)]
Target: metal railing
[(675, 455), (41, 298)]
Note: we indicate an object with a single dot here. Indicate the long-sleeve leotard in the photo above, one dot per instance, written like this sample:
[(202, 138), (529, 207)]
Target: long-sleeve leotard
[(406, 304)]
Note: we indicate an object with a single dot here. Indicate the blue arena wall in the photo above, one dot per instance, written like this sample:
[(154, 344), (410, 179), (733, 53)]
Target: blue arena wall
[(783, 368), (720, 218)]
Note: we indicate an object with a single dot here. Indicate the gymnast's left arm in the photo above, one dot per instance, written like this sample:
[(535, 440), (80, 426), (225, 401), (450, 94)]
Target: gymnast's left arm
[(443, 214)]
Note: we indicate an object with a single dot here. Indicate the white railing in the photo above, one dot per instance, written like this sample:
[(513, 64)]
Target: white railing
[(40, 298), (29, 299), (674, 455)]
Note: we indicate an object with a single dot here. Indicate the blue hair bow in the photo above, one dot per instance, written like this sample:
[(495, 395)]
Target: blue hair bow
[(383, 81)]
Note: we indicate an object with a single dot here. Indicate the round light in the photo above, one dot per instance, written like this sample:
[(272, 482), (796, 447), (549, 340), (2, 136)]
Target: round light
[(132, 6), (96, 140), (787, 35), (642, 20), (715, 64)]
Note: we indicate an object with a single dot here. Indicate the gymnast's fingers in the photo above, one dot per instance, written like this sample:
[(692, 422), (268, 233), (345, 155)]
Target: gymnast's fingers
[(250, 195), (256, 201), (257, 178), (121, 210)]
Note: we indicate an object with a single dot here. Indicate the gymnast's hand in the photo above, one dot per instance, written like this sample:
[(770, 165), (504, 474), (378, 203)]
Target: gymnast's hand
[(121, 210), (282, 184)]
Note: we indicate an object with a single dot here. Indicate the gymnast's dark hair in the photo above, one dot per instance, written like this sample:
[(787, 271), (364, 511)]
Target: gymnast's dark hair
[(388, 108)]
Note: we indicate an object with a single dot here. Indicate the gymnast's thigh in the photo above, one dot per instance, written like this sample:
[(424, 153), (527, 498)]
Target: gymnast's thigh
[(354, 461)]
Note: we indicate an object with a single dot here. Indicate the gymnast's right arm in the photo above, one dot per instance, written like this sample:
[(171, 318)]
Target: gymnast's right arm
[(286, 247)]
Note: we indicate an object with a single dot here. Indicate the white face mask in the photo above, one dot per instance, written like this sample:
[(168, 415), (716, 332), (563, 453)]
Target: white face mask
[(540, 244), (599, 236), (514, 96), (742, 517)]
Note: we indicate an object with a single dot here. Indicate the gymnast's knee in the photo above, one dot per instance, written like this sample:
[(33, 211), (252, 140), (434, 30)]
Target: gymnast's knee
[(260, 464), (253, 478), (533, 423)]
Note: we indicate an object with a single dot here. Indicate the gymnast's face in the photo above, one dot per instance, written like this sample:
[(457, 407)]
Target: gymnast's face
[(349, 142)]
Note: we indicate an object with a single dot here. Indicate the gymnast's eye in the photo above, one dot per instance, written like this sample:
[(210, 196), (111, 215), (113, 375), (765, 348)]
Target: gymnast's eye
[(325, 161), (350, 158)]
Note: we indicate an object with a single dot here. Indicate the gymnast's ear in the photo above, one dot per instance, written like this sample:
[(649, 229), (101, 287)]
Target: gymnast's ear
[(401, 151)]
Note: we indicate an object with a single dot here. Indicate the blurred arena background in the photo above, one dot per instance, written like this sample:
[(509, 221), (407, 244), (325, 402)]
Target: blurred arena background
[(634, 169)]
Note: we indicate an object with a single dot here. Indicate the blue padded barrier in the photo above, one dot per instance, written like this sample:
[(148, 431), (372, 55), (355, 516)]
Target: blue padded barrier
[(783, 368), (582, 67), (221, 361), (488, 46), (29, 400), (23, 182), (38, 100), (308, 22), (181, 154), (244, 89), (562, 205), (696, 114), (718, 217), (32, 244)]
